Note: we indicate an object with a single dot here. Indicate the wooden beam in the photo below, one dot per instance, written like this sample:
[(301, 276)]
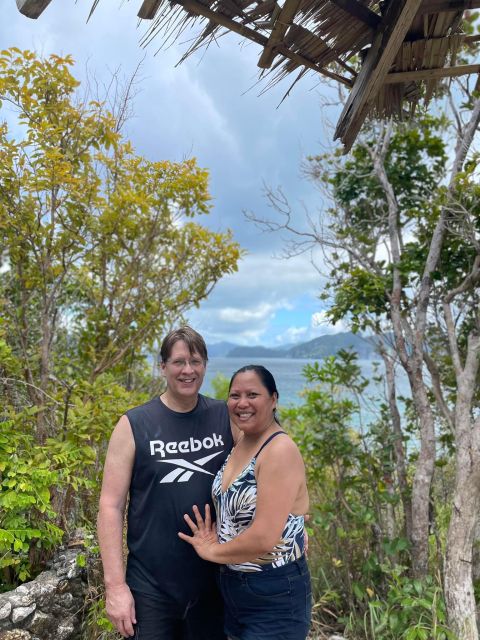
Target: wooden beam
[(302, 61), (246, 32), (148, 9), (223, 20), (378, 61), (439, 6), (464, 39), (359, 11), (432, 74), (32, 8), (282, 23)]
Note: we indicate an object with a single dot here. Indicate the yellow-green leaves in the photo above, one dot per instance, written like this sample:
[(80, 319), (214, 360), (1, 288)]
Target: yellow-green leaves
[(101, 251)]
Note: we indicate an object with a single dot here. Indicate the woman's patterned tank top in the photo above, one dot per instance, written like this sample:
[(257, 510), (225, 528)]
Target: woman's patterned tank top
[(235, 510)]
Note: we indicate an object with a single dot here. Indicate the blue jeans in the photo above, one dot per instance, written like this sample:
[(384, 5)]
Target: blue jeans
[(274, 604)]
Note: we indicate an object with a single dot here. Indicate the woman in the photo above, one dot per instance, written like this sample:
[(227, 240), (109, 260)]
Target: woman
[(260, 497)]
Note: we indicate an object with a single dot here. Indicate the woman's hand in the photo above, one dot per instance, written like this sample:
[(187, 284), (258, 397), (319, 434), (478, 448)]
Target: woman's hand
[(204, 539)]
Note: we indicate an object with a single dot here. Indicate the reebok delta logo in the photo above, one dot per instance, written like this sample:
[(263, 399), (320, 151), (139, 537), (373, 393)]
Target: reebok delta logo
[(185, 469)]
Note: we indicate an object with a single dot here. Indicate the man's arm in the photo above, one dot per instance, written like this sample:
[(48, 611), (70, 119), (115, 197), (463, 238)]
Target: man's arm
[(113, 499)]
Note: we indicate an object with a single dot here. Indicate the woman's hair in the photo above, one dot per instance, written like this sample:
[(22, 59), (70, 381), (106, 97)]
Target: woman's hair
[(192, 339), (267, 380)]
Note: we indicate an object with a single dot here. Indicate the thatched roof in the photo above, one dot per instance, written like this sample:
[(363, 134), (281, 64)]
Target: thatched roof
[(390, 53)]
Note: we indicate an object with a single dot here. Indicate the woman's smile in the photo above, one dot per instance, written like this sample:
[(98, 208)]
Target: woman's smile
[(249, 403)]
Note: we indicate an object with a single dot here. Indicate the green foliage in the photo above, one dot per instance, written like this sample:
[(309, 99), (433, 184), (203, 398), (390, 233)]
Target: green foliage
[(357, 549), (98, 626), (25, 502), (391, 208), (50, 488), (415, 165), (412, 609), (220, 385), (101, 252), (350, 475), (97, 237), (361, 294)]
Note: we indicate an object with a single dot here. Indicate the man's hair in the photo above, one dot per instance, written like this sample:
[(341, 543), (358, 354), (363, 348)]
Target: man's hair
[(192, 339)]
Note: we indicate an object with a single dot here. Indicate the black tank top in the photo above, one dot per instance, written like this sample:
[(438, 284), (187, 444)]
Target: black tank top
[(176, 458)]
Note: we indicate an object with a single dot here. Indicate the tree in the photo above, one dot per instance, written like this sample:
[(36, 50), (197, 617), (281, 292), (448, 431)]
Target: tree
[(101, 253), (358, 555), (401, 239), (102, 248)]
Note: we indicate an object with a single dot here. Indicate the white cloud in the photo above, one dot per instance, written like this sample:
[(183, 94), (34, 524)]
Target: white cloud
[(321, 325), (244, 305), (263, 279), (242, 325), (240, 316), (293, 335)]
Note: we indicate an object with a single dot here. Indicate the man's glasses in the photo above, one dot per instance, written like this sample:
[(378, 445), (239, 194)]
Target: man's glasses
[(180, 363)]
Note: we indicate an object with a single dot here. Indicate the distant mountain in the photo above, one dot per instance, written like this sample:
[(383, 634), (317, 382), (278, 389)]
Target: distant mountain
[(317, 348), (285, 347), (329, 345), (256, 352), (220, 349)]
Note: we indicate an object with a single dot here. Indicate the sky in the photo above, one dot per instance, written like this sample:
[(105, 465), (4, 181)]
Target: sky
[(210, 107)]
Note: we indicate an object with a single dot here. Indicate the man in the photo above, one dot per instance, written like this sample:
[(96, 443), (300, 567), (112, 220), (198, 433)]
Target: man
[(164, 456)]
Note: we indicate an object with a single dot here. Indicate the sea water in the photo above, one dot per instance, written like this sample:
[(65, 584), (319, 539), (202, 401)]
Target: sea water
[(288, 374)]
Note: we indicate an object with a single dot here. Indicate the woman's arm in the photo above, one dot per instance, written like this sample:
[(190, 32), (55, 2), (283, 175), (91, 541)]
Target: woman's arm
[(280, 480)]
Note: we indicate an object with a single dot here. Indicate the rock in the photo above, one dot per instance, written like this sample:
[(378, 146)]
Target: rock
[(5, 625), (5, 610), (41, 625), (65, 600), (64, 632), (62, 586), (49, 607), (20, 613), (17, 600), (15, 634)]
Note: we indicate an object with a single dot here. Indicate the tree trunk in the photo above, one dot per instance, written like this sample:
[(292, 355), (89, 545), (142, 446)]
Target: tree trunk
[(422, 481), (476, 551), (42, 427), (459, 595), (398, 447), (412, 361)]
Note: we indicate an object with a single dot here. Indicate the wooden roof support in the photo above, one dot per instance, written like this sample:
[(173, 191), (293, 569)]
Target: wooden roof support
[(360, 11), (223, 20), (386, 43), (148, 9), (32, 8), (302, 61), (251, 34), (432, 74), (282, 23), (440, 6)]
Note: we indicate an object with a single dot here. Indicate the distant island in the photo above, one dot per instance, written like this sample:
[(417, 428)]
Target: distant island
[(321, 347)]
